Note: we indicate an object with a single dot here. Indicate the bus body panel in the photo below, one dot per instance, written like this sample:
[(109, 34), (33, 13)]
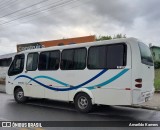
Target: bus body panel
[(104, 86), (119, 85), (141, 71), (33, 89)]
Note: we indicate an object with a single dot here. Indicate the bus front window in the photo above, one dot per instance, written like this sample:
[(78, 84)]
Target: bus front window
[(17, 65)]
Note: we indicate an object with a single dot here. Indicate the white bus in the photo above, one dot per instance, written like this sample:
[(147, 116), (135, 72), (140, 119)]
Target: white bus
[(112, 72), (5, 61)]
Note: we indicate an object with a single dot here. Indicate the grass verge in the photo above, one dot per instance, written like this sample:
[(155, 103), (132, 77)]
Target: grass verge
[(157, 79)]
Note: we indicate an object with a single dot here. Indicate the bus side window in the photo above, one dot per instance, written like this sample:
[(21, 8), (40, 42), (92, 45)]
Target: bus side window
[(49, 60), (116, 56), (32, 61), (67, 59), (54, 60), (97, 57), (80, 58), (74, 59), (107, 56)]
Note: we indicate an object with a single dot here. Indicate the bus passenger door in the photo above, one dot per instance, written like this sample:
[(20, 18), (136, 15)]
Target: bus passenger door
[(33, 89), (51, 76)]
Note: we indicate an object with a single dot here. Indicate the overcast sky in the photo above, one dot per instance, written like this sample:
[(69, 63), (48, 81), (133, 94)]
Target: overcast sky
[(57, 19)]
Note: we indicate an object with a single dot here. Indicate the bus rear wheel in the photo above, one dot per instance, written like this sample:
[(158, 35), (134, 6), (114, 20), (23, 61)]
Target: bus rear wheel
[(83, 102), (19, 96)]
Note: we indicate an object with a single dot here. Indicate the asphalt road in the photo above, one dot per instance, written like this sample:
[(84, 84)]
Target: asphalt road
[(47, 110)]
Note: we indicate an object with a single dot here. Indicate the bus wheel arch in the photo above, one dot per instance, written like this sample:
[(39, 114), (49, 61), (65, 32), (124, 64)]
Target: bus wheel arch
[(84, 90), (83, 101), (16, 87), (19, 95)]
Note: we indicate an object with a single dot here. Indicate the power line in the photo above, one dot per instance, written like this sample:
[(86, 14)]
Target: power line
[(54, 13), (63, 3), (23, 9), (5, 4), (33, 17), (58, 12), (32, 11)]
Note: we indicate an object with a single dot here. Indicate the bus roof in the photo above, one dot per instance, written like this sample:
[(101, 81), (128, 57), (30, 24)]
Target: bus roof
[(81, 45)]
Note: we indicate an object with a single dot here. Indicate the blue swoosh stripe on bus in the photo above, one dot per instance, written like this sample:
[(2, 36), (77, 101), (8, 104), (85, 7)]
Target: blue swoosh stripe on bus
[(108, 81), (62, 89), (56, 89), (90, 80), (50, 78), (78, 86)]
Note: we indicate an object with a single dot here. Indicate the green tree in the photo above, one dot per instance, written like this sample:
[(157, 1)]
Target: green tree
[(100, 38), (119, 36)]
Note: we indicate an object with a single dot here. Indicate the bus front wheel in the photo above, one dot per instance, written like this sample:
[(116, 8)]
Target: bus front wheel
[(83, 102), (19, 96)]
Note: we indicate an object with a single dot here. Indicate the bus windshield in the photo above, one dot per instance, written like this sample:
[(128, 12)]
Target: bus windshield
[(17, 65), (146, 56)]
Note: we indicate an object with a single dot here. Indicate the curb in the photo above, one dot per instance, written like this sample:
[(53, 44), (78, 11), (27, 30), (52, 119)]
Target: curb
[(146, 107), (157, 91)]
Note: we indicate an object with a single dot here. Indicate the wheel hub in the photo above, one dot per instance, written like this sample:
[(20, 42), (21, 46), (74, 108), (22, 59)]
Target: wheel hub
[(82, 102), (20, 95)]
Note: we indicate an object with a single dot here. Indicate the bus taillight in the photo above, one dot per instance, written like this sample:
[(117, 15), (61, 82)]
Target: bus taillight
[(138, 80), (139, 83)]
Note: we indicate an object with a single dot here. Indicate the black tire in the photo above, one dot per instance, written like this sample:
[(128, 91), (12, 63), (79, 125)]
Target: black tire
[(83, 103), (19, 96)]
